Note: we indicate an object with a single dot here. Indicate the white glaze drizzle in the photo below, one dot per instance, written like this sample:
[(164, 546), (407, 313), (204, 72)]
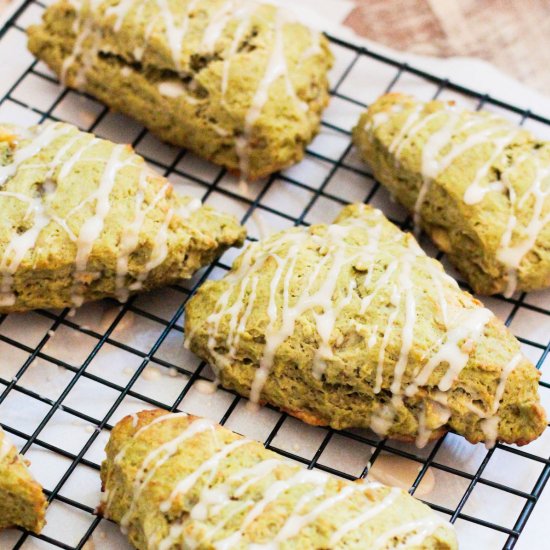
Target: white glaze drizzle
[(218, 503), (140, 50), (333, 261), (276, 68), (163, 418), (135, 420), (120, 11), (42, 137), (479, 129), (468, 324), (415, 532), (77, 149), (271, 494), (314, 47), (297, 522), (109, 496), (70, 163), (82, 31), (438, 276), (490, 423), (505, 373), (385, 339), (93, 226), (235, 43), (433, 162), (369, 512), (216, 25), (411, 119), (175, 33), (475, 192), (21, 243), (129, 240), (18, 247), (317, 295), (423, 435), (211, 465), (430, 167), (156, 458), (174, 89), (509, 254), (159, 253), (405, 283), (213, 500), (91, 229), (185, 211), (210, 534)]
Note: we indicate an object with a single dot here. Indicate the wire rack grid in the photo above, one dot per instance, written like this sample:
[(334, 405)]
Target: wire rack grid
[(66, 377)]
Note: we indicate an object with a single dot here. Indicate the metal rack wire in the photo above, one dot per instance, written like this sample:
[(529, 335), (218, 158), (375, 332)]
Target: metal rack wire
[(322, 195)]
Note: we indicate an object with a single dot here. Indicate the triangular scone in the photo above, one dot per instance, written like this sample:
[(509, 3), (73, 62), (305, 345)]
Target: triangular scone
[(353, 325), (178, 481), (239, 82), (82, 218), (22, 502), (478, 185)]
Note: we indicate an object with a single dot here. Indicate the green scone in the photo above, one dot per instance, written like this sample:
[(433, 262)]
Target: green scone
[(477, 184), (353, 325), (82, 218), (238, 82), (176, 481), (22, 502)]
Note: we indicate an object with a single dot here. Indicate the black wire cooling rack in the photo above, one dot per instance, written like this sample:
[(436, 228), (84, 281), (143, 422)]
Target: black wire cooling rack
[(324, 186)]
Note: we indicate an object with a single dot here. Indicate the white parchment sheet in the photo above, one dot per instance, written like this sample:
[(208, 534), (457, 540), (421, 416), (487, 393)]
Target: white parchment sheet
[(114, 343)]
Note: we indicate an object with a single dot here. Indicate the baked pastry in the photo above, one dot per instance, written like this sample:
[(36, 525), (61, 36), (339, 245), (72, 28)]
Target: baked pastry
[(177, 481), (83, 218), (22, 502), (236, 81), (477, 184), (353, 325)]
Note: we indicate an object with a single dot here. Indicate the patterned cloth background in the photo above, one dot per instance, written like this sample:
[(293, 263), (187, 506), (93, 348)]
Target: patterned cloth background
[(512, 34)]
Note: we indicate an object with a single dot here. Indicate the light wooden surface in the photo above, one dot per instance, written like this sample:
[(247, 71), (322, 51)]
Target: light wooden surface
[(514, 35)]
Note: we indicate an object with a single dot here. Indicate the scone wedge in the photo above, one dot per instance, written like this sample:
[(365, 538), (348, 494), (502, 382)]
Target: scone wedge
[(177, 481), (82, 218), (22, 502), (352, 325), (239, 82), (477, 184)]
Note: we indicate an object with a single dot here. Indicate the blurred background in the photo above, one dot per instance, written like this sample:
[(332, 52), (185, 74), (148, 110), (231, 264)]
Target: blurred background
[(514, 35)]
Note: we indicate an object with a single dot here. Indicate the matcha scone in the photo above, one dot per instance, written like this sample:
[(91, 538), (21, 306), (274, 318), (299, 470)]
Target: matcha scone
[(177, 481), (238, 82), (22, 502), (353, 325), (478, 185), (82, 218)]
